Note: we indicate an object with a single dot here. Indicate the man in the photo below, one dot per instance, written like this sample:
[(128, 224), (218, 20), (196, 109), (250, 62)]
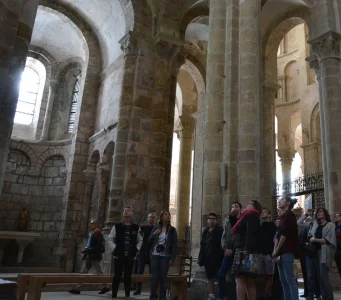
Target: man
[(287, 248), (92, 256), (125, 241), (227, 245), (211, 254), (144, 255), (268, 231)]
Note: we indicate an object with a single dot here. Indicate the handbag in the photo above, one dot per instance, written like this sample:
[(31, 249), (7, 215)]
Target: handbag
[(249, 264), (311, 249)]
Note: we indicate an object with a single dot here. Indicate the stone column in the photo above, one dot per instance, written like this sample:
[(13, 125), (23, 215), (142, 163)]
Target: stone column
[(89, 182), (102, 177), (312, 158), (270, 90), (16, 25), (49, 108), (129, 45), (184, 177), (214, 110), (327, 49), (287, 156), (314, 65), (249, 148)]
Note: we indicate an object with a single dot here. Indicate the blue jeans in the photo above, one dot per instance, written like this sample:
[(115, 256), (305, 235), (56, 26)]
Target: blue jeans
[(313, 275), (159, 266), (142, 262), (224, 269), (286, 275)]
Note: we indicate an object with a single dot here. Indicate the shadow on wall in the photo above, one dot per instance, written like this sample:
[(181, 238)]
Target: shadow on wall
[(42, 194)]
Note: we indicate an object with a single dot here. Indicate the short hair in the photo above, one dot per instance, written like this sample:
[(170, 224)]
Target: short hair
[(257, 205), (213, 215), (326, 214), (94, 221), (128, 206), (292, 201), (236, 202), (152, 214), (268, 210)]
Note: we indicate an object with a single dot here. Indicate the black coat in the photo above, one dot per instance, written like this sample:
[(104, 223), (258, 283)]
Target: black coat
[(216, 252), (97, 246), (248, 233)]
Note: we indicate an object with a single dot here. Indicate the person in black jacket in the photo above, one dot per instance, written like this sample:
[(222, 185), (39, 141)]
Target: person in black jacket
[(144, 255), (125, 241), (246, 232), (163, 240), (268, 231), (211, 254), (92, 256)]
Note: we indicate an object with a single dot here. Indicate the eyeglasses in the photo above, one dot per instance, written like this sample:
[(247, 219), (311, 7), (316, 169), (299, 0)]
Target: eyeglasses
[(212, 218)]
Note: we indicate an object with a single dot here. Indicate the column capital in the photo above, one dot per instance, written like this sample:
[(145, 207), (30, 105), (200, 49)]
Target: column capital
[(103, 171), (186, 126), (270, 90), (313, 63), (130, 44), (286, 155), (327, 45), (167, 47)]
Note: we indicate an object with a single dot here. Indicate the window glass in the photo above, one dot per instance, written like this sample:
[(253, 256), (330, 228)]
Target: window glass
[(74, 104)]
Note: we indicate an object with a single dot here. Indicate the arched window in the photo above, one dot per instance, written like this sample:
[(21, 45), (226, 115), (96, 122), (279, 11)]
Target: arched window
[(28, 94), (75, 95)]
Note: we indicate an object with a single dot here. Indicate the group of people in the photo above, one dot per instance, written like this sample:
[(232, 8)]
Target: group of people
[(154, 244), (252, 249)]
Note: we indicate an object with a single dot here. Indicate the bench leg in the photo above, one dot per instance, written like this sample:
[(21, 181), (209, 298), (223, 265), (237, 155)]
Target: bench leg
[(23, 281), (34, 289), (179, 290)]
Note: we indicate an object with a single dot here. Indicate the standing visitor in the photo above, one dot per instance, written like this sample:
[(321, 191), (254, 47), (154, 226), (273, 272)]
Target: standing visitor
[(246, 238), (125, 241), (164, 241), (287, 248), (92, 256), (227, 244), (268, 231), (322, 245), (211, 253), (144, 255), (338, 242), (277, 291)]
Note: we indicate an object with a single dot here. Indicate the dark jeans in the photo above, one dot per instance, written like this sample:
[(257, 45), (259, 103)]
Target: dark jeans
[(142, 262), (224, 269), (313, 275), (159, 266), (338, 260), (326, 286), (286, 274), (304, 272), (125, 265)]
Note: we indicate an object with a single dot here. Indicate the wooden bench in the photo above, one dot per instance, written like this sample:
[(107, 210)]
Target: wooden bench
[(36, 283)]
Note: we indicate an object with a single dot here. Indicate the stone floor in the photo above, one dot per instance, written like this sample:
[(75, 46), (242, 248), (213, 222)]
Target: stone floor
[(87, 295)]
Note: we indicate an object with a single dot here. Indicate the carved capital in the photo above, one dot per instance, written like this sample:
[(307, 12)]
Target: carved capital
[(314, 64), (270, 89), (327, 45), (186, 126), (286, 155), (130, 44)]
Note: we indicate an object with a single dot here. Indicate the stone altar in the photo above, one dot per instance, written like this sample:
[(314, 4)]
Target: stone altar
[(22, 239)]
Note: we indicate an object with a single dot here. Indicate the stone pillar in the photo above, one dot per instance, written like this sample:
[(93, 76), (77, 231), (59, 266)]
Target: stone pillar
[(89, 182), (327, 49), (249, 127), (49, 108), (102, 177), (287, 156), (312, 158), (129, 45), (314, 65), (184, 177), (270, 90), (16, 25), (214, 110)]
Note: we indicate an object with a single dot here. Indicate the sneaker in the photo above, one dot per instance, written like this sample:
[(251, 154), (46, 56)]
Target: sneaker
[(74, 291), (104, 290), (136, 293)]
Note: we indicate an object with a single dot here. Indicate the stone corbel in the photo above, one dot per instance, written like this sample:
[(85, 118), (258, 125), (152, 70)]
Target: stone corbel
[(270, 90), (186, 126), (327, 45)]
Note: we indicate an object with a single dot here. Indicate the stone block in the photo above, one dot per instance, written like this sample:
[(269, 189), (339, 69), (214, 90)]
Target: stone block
[(31, 180), (10, 166), (22, 170), (52, 171), (46, 216), (59, 163), (48, 181), (49, 226), (59, 191), (36, 190), (59, 181), (20, 189), (35, 225), (11, 177), (48, 190), (34, 216)]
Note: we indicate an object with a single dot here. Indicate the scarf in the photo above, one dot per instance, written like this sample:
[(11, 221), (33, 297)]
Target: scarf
[(244, 214)]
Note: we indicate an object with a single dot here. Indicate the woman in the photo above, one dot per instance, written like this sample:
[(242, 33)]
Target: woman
[(163, 240), (322, 246), (246, 233)]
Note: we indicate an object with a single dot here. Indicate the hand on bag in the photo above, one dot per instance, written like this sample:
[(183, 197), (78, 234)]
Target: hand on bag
[(157, 232), (312, 240), (228, 252)]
